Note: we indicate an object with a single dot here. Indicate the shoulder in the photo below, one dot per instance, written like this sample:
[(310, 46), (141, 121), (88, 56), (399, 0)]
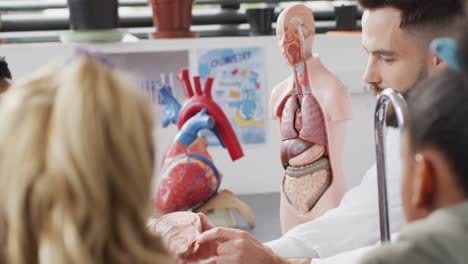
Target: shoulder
[(278, 96), (322, 76), (440, 238), (398, 252), (441, 224), (331, 92)]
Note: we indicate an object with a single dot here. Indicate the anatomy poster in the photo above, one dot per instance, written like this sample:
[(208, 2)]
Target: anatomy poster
[(239, 89), (156, 73)]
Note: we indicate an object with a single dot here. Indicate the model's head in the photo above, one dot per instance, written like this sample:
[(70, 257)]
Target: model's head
[(397, 35), (295, 30), (76, 163)]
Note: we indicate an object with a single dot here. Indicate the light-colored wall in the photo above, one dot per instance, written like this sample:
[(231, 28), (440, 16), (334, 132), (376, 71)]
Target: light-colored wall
[(260, 170)]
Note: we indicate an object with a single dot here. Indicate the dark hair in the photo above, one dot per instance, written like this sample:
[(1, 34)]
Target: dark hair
[(438, 118), (4, 70), (438, 113), (463, 47), (416, 13)]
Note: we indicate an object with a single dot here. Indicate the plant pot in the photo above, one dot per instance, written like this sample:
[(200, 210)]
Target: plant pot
[(172, 18), (93, 14), (260, 20), (346, 17)]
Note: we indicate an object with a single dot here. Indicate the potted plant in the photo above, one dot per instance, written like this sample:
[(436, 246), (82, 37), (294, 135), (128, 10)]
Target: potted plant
[(93, 15), (260, 20), (93, 21), (172, 18), (346, 16)]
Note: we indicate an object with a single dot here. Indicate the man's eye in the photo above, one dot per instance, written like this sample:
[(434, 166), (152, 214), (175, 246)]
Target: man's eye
[(388, 60)]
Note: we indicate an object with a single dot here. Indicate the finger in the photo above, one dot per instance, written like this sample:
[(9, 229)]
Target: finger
[(211, 260), (151, 224), (221, 234), (205, 222), (229, 246), (229, 259)]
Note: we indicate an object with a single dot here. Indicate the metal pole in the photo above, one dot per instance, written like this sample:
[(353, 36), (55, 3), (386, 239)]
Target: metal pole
[(388, 96)]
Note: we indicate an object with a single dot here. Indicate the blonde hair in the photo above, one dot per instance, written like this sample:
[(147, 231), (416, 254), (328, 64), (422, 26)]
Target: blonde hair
[(76, 162)]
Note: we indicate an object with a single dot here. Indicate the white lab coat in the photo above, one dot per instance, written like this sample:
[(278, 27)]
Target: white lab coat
[(344, 234)]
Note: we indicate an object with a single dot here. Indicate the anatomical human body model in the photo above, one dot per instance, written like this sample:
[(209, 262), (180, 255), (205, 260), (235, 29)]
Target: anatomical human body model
[(189, 179), (313, 107)]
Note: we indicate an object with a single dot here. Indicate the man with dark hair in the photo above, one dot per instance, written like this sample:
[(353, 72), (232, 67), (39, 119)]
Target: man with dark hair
[(5, 76), (396, 35)]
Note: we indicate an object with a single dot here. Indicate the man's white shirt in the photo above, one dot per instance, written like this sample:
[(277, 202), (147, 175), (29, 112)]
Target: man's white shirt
[(344, 234)]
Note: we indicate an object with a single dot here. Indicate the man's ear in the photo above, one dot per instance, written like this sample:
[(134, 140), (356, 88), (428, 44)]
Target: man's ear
[(424, 184)]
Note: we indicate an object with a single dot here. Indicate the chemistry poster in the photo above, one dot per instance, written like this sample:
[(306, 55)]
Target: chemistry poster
[(156, 73), (239, 89)]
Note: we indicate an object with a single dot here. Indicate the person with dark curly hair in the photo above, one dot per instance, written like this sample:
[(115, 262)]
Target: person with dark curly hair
[(5, 76)]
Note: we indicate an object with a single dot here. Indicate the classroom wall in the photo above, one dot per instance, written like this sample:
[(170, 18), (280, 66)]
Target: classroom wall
[(260, 170)]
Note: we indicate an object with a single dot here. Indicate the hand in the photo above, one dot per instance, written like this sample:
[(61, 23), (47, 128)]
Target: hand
[(195, 253), (236, 246), (202, 253)]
